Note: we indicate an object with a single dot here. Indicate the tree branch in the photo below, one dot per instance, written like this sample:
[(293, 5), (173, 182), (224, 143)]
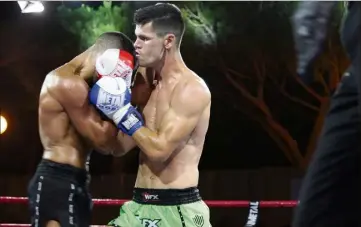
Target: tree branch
[(324, 84), (276, 131), (285, 141), (255, 100), (279, 135), (259, 67), (260, 91), (299, 101), (335, 73), (202, 22), (283, 91), (242, 76), (306, 88), (292, 71), (241, 88), (312, 142)]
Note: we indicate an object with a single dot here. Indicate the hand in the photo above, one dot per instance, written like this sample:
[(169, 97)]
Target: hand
[(112, 97), (128, 119), (115, 63)]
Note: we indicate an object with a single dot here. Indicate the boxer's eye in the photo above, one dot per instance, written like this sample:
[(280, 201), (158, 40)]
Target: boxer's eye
[(143, 38)]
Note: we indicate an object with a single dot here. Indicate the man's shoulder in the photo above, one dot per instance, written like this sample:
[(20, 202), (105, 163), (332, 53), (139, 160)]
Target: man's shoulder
[(196, 86), (193, 93), (68, 87)]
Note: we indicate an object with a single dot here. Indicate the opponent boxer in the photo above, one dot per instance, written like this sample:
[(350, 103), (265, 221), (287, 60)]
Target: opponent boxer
[(176, 122), (69, 129), (331, 187)]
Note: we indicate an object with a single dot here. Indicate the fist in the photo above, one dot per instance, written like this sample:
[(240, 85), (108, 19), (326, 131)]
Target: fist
[(109, 95), (115, 63)]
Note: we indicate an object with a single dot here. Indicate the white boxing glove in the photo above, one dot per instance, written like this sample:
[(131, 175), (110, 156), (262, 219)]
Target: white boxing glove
[(115, 63)]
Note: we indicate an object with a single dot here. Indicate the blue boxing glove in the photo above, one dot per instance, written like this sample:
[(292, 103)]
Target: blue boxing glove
[(112, 97), (128, 119)]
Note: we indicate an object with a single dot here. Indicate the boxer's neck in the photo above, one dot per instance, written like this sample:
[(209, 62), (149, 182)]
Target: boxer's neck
[(170, 65), (84, 65)]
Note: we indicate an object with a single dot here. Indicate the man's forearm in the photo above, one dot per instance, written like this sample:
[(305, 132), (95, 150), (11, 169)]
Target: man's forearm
[(151, 144), (112, 141), (104, 142), (123, 145)]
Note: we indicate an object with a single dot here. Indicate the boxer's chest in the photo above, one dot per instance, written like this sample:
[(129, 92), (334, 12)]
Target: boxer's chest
[(157, 106)]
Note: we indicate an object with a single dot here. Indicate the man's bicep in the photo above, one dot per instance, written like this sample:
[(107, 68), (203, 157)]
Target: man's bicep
[(176, 127), (187, 107)]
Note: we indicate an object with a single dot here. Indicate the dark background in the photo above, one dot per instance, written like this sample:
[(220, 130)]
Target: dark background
[(34, 44), (247, 133)]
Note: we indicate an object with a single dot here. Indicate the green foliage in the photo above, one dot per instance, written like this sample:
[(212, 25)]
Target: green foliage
[(340, 11), (211, 22), (208, 22), (88, 23), (247, 30)]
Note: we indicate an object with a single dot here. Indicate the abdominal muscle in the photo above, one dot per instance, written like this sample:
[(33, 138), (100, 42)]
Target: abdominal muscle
[(178, 172), (67, 155)]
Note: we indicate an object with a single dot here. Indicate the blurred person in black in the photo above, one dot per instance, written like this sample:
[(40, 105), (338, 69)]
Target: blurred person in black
[(330, 191)]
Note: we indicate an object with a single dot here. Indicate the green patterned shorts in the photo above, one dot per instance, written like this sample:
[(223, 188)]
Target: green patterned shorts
[(134, 214)]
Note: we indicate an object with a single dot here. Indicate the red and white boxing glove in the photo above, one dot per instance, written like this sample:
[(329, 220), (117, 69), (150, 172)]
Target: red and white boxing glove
[(116, 63)]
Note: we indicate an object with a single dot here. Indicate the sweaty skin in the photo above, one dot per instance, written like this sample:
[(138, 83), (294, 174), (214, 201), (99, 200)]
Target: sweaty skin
[(69, 126), (177, 117)]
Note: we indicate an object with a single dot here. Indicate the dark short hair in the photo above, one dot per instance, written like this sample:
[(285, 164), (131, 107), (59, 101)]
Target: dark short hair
[(165, 18), (113, 40)]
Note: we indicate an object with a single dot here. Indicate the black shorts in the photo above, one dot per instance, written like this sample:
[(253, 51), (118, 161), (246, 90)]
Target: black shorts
[(59, 192), (331, 188)]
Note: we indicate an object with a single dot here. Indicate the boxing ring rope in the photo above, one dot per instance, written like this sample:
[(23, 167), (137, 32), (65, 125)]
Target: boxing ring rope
[(210, 203), (118, 202)]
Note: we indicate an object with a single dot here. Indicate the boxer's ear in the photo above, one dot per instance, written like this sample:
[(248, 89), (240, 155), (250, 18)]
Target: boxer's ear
[(169, 41)]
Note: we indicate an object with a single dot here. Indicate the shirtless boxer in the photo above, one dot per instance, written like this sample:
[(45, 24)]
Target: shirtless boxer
[(176, 122), (69, 129)]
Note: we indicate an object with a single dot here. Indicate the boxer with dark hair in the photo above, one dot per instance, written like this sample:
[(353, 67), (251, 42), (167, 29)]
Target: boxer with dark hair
[(331, 187), (70, 127), (171, 136)]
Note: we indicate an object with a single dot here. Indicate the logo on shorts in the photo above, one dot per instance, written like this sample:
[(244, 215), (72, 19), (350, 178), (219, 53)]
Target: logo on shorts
[(148, 196), (146, 222), (198, 220)]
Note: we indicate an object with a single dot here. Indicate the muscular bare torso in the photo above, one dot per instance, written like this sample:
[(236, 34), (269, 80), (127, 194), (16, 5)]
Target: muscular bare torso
[(60, 140), (180, 170)]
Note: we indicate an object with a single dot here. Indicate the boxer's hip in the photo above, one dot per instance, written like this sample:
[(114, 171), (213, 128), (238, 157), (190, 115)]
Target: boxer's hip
[(66, 154), (164, 207), (62, 172), (59, 192)]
